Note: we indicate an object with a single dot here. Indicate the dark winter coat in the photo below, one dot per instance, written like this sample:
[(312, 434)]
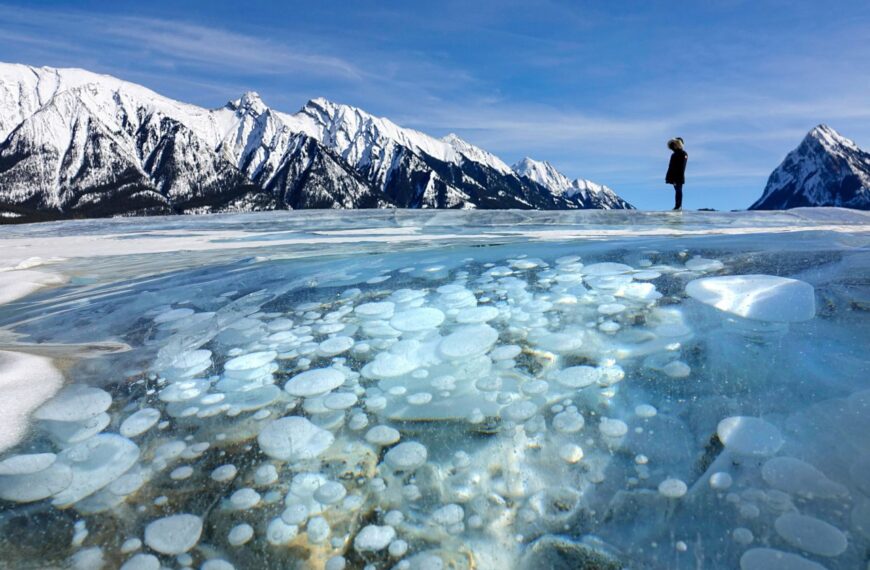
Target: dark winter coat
[(677, 168)]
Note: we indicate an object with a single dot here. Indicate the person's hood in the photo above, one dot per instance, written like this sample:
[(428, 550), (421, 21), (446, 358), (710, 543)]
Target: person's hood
[(675, 144)]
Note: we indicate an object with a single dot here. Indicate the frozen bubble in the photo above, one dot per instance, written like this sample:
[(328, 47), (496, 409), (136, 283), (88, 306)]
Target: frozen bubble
[(749, 436), (476, 315), (608, 268), (419, 398), (398, 548), (673, 488), (772, 559), (505, 352), (810, 534), (578, 376), (216, 564), (336, 563), (520, 411), (702, 264), (131, 545), (568, 421), (183, 472), (677, 369), (142, 562), (759, 297), (94, 463), (720, 480), (335, 345), (646, 275), (340, 400), (373, 538), (416, 320), (295, 514), (382, 310), (314, 382), (174, 534), (612, 428), (250, 361), (74, 403), (25, 487), (330, 493), (294, 439), (26, 464), (245, 498), (610, 375), (645, 411), (611, 308), (448, 515), (406, 456), (795, 476), (382, 435), (224, 473), (560, 343), (742, 535), (535, 387), (265, 474), (240, 534), (318, 530), (139, 422), (570, 453), (468, 341), (609, 327), (279, 532)]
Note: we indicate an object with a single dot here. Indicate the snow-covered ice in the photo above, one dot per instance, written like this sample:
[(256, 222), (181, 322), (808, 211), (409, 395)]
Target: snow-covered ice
[(437, 389)]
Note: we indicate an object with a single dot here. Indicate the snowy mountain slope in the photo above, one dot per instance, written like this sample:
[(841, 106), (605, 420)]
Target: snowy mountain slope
[(78, 144), (826, 169), (582, 193)]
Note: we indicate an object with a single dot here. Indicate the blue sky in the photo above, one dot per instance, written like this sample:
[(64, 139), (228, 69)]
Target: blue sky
[(596, 88)]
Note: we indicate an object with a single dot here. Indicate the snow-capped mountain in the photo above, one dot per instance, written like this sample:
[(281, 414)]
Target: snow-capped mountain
[(584, 193), (79, 144), (826, 169)]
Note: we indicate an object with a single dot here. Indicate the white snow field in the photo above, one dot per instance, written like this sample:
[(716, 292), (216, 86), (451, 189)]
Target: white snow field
[(437, 389)]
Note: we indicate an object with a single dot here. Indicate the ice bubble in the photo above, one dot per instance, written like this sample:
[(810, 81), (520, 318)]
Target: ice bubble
[(74, 403), (373, 538), (720, 480), (406, 456), (265, 474), (250, 361), (608, 268), (578, 376), (26, 464), (224, 473), (612, 427), (759, 297), (772, 559), (419, 398), (609, 327), (570, 453), (468, 341), (318, 530), (568, 421), (139, 422), (240, 534), (335, 345), (520, 411), (742, 535), (610, 375), (382, 435), (373, 311), (183, 472), (142, 562), (295, 514), (673, 488), (645, 411), (476, 315), (173, 535), (216, 564), (314, 382), (646, 275), (505, 352), (677, 369), (416, 320), (336, 563), (294, 439), (702, 264), (94, 463), (560, 343), (810, 534), (398, 548), (131, 545), (609, 309), (749, 436), (535, 387), (329, 493), (795, 476), (448, 515)]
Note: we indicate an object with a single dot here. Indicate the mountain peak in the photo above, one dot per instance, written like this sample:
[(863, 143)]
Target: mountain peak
[(830, 139), (250, 101)]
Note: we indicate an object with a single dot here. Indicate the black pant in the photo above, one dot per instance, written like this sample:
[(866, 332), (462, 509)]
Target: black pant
[(678, 196)]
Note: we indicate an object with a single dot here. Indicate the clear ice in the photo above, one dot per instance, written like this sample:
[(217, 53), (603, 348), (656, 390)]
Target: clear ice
[(403, 390)]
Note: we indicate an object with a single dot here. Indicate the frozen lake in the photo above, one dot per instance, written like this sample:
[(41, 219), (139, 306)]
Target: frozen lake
[(437, 389)]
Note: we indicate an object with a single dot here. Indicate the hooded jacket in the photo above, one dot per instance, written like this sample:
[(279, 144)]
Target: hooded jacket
[(677, 166)]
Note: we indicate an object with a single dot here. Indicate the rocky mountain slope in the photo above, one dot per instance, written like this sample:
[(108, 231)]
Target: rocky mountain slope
[(79, 144), (826, 169)]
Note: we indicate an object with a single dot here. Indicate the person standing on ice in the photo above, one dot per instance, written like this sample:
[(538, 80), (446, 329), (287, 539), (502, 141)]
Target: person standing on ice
[(677, 170)]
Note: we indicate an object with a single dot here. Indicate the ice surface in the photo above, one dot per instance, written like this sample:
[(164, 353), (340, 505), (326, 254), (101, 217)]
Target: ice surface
[(353, 388)]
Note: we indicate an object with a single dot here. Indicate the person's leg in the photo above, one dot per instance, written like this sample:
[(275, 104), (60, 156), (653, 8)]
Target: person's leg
[(678, 196)]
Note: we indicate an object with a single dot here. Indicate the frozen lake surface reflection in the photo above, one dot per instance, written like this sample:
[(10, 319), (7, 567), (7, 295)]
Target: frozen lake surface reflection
[(394, 389)]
